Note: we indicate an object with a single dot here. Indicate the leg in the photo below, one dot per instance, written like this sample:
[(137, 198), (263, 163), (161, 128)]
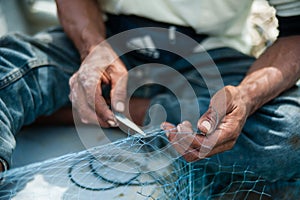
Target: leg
[(34, 80), (270, 141), (269, 144)]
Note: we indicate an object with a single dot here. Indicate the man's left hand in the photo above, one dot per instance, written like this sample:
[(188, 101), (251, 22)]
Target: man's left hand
[(220, 126)]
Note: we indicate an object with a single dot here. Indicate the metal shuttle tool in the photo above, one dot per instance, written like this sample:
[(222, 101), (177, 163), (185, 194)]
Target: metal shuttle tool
[(128, 123)]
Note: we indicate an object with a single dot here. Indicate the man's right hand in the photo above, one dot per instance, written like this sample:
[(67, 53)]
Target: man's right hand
[(83, 23), (101, 66)]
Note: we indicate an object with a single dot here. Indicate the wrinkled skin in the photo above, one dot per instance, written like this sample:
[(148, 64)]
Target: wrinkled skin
[(82, 22), (220, 127), (101, 66)]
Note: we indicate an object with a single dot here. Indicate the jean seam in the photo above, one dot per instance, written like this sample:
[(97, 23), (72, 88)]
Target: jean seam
[(20, 72)]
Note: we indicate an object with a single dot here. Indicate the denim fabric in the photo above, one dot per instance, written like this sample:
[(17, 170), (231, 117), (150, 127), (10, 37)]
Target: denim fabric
[(34, 74)]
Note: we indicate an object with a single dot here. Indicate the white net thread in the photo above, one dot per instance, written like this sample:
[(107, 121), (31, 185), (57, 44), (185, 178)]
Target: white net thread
[(129, 169)]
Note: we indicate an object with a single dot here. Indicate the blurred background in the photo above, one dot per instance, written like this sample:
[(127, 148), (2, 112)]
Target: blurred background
[(27, 16)]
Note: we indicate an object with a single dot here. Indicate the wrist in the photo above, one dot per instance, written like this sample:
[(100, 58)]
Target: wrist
[(89, 39), (248, 98)]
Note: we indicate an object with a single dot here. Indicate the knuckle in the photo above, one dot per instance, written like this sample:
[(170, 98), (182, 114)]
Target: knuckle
[(103, 114), (73, 80), (119, 94), (82, 77)]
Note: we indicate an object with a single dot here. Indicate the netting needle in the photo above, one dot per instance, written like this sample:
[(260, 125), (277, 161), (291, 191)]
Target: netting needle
[(128, 123)]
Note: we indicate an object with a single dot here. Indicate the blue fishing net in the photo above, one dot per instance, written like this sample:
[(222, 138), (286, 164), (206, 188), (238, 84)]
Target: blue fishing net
[(131, 168)]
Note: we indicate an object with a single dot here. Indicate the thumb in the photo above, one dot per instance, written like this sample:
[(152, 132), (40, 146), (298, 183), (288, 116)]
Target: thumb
[(208, 121), (119, 92), (215, 113)]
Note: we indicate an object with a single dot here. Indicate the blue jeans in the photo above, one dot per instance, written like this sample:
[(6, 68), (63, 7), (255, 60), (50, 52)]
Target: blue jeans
[(34, 74)]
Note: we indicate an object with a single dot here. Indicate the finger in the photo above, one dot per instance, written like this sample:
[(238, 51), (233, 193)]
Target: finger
[(166, 126), (208, 121), (187, 124), (215, 113), (105, 116), (192, 155), (119, 87), (185, 128), (196, 154), (180, 143), (182, 140), (85, 115), (79, 103), (203, 148), (225, 133), (205, 144), (186, 143), (174, 137), (197, 142), (215, 143)]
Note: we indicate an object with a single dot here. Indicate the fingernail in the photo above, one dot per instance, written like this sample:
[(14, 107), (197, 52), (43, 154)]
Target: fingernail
[(206, 125), (167, 133), (179, 128), (120, 106), (112, 123)]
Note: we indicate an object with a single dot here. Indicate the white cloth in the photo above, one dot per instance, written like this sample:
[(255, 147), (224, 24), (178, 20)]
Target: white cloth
[(225, 21)]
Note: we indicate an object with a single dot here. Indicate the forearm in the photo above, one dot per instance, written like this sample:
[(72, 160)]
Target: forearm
[(275, 71), (82, 22)]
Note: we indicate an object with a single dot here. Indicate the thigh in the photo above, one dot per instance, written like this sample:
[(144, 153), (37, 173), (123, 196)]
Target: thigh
[(273, 135), (34, 74), (36, 70), (269, 144)]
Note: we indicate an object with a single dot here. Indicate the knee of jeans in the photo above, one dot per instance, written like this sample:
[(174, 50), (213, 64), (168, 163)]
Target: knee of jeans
[(275, 124), (271, 162), (273, 136), (288, 126)]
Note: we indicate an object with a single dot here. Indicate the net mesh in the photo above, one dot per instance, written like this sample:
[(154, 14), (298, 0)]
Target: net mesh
[(131, 168)]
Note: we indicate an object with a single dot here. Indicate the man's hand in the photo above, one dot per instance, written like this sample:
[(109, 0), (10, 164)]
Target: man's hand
[(220, 127), (100, 66), (83, 23)]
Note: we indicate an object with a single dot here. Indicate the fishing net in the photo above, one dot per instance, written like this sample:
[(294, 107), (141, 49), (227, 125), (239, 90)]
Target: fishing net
[(131, 168)]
